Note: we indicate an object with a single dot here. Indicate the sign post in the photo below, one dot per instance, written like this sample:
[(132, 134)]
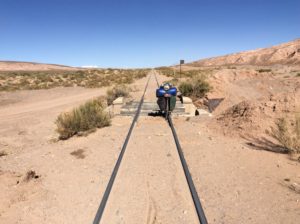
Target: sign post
[(180, 63)]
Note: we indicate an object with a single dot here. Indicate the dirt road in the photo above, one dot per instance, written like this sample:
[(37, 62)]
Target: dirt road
[(65, 189)]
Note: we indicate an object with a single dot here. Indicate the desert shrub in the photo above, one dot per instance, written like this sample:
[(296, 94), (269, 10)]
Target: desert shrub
[(92, 84), (45, 78), (264, 70), (65, 75), (287, 134), (186, 88), (173, 81), (115, 92), (170, 72), (24, 83), (86, 117), (231, 67), (298, 75), (201, 86), (86, 78), (196, 87), (3, 153)]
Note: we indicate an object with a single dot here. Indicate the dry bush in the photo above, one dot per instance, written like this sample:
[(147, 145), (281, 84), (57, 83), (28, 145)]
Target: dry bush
[(86, 117), (173, 81), (31, 174), (287, 134), (3, 153), (196, 87), (115, 92), (94, 78), (186, 88), (170, 72), (264, 70)]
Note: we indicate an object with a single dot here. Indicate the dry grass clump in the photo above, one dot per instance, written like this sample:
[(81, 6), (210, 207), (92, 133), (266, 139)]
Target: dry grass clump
[(3, 153), (196, 87), (174, 73), (287, 133), (86, 117), (169, 72), (173, 81), (31, 174), (264, 70), (115, 92), (94, 78), (231, 67)]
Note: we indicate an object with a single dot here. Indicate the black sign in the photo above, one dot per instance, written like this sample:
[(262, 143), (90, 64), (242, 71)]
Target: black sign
[(181, 62)]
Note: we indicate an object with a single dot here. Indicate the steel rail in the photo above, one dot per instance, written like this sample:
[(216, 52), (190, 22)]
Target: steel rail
[(156, 80), (102, 205), (196, 200), (189, 179)]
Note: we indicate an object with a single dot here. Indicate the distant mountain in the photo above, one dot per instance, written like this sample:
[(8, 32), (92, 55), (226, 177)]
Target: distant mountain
[(286, 54), (31, 66)]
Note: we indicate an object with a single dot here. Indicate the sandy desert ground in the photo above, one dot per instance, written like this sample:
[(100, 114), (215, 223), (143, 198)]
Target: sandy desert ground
[(236, 182)]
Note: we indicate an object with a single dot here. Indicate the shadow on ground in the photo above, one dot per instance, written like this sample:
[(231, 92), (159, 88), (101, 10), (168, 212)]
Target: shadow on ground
[(265, 144)]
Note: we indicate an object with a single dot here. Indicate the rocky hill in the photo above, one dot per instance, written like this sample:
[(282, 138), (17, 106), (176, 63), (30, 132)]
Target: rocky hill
[(31, 66), (285, 54)]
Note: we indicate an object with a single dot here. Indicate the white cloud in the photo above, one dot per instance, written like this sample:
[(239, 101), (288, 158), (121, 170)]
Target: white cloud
[(89, 66)]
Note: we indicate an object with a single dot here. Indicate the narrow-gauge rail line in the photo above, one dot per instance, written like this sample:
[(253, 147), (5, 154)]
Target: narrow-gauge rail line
[(196, 200), (195, 197), (118, 163), (156, 80)]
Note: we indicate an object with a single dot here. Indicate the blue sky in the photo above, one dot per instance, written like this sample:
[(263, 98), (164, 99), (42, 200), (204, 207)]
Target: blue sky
[(141, 33)]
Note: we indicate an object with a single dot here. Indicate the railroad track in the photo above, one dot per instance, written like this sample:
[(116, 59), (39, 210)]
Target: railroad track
[(196, 200), (195, 197)]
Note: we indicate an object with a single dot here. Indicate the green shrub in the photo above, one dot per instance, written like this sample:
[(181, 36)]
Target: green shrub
[(86, 117), (201, 86), (195, 88), (117, 91), (186, 88), (287, 134)]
